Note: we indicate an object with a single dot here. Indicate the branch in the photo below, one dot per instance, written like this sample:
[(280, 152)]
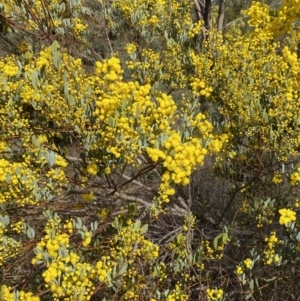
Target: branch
[(221, 15), (234, 194), (133, 199), (140, 173)]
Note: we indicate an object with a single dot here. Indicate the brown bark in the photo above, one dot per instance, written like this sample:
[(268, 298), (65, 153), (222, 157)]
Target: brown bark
[(221, 15), (207, 15), (203, 10)]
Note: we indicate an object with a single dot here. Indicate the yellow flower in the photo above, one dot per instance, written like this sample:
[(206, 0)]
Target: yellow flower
[(277, 179), (87, 241), (10, 70), (60, 161), (88, 197), (92, 169), (248, 263), (102, 275), (276, 258), (214, 294), (286, 216), (107, 170), (239, 270)]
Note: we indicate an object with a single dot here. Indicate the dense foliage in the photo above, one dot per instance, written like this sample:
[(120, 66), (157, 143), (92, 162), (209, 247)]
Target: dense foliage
[(146, 158)]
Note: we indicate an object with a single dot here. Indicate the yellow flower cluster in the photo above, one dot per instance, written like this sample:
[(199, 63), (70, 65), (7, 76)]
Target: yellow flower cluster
[(65, 275), (239, 270), (147, 67), (18, 226), (9, 69), (195, 29), (69, 226), (55, 15), (177, 294), (259, 14), (131, 48), (103, 269), (144, 14), (79, 26), (60, 161), (277, 179), (200, 88), (286, 216), (111, 68), (178, 246), (248, 263), (92, 169), (154, 116), (7, 295), (214, 294), (87, 238), (270, 256), (75, 278), (126, 247), (293, 63), (124, 243), (256, 89), (9, 248), (18, 182), (51, 245), (284, 19), (210, 252), (189, 222), (180, 158), (178, 28), (295, 177), (88, 197), (127, 119), (272, 240)]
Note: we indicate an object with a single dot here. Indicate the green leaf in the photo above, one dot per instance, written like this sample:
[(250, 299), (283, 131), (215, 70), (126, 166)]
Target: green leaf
[(144, 229), (56, 59), (19, 64), (18, 170), (71, 100), (63, 252), (270, 279), (8, 178), (34, 80), (66, 84), (123, 269), (78, 224), (94, 226), (33, 140), (251, 285), (137, 225), (179, 238), (216, 241), (54, 46), (4, 220), (123, 104), (55, 54), (30, 233), (111, 122), (51, 158)]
